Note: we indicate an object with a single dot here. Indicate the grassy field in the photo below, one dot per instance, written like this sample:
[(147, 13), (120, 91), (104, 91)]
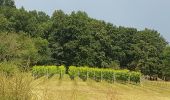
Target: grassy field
[(66, 89)]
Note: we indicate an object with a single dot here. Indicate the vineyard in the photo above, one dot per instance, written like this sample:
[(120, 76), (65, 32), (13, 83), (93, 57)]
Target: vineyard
[(49, 71), (85, 73)]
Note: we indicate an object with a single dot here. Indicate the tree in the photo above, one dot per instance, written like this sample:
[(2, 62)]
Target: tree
[(150, 47), (23, 50), (44, 52), (4, 24), (166, 61), (8, 3)]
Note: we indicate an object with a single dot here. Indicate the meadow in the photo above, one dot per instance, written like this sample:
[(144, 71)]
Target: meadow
[(24, 86), (66, 89)]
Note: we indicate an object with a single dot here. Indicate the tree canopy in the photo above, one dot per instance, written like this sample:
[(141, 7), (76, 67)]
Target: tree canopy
[(9, 3), (166, 67)]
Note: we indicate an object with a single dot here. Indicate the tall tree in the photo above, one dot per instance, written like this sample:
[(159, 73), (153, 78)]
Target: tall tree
[(166, 61), (151, 46), (8, 3)]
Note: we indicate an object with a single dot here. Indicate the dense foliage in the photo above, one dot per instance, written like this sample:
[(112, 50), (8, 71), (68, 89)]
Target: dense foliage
[(8, 3), (22, 50), (76, 39), (166, 62), (109, 75)]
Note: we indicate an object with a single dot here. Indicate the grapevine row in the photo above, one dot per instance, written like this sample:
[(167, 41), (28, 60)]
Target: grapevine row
[(109, 75), (85, 73), (49, 71)]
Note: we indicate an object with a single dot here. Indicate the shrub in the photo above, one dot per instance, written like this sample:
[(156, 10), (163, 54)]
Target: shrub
[(135, 77), (61, 71), (38, 71), (8, 68), (98, 74), (108, 75), (50, 70), (73, 72), (122, 75), (83, 73), (91, 73)]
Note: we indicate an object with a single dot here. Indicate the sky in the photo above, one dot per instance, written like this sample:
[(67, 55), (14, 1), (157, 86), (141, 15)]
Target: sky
[(140, 14)]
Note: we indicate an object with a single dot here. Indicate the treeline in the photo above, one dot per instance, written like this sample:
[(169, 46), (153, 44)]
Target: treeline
[(30, 38)]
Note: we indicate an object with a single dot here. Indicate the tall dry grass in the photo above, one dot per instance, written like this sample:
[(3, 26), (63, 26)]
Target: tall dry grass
[(16, 87)]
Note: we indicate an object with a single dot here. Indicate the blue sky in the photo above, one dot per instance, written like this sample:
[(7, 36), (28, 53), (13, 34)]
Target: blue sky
[(153, 14)]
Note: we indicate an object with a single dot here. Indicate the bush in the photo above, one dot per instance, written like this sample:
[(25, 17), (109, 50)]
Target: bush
[(135, 77), (83, 73), (98, 74), (61, 71), (91, 73), (122, 75), (8, 68), (73, 72), (50, 71), (38, 71), (108, 75)]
